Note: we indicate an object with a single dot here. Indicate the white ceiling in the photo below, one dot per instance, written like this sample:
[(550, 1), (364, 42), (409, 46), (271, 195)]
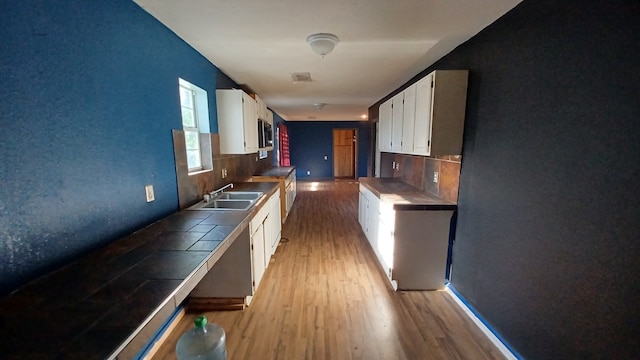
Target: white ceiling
[(383, 44)]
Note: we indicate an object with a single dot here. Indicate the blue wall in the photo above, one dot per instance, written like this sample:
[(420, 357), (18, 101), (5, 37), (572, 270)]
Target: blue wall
[(547, 236), (88, 98), (309, 141)]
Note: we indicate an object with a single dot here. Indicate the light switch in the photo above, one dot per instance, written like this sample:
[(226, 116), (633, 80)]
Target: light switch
[(325, 158), (149, 191)]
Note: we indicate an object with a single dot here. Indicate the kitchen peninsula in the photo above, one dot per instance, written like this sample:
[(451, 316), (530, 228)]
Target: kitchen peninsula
[(408, 230)]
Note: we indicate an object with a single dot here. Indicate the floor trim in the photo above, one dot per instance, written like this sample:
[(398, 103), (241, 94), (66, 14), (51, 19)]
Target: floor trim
[(491, 335)]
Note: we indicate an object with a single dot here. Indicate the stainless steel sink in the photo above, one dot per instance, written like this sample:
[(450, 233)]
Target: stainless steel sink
[(228, 204), (229, 200), (240, 195)]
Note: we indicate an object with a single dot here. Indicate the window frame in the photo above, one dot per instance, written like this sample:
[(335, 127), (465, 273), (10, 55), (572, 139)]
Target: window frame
[(188, 130), (200, 110)]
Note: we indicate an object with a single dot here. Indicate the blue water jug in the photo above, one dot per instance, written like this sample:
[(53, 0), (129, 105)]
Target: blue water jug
[(204, 342)]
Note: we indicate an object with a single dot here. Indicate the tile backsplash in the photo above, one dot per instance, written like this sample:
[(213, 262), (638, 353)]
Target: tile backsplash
[(239, 168), (419, 171)]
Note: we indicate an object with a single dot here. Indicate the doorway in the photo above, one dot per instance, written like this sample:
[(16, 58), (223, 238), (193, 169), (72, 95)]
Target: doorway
[(345, 144)]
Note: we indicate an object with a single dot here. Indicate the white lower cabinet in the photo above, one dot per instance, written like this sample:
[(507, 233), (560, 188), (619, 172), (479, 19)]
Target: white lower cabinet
[(274, 226), (411, 245), (290, 186), (258, 263), (363, 209), (265, 229)]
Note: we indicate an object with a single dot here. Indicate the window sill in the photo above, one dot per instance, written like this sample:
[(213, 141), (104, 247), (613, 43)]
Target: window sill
[(199, 172)]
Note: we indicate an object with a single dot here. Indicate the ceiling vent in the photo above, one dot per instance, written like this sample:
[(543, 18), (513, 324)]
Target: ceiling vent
[(302, 77)]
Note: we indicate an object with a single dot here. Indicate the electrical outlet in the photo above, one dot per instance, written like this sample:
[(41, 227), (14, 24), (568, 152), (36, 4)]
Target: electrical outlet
[(224, 173), (148, 189), (435, 177)]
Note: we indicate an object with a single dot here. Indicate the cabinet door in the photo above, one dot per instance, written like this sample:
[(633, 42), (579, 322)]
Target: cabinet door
[(373, 204), (397, 115), (257, 256), (276, 222), (362, 211), (386, 235), (270, 117), (385, 246), (250, 120), (385, 126), (289, 197), (408, 119), (269, 231), (422, 127)]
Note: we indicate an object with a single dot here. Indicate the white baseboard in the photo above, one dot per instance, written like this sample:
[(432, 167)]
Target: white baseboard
[(490, 335)]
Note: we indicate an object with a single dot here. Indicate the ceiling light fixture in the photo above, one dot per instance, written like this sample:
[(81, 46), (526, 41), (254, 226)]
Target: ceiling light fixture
[(322, 43)]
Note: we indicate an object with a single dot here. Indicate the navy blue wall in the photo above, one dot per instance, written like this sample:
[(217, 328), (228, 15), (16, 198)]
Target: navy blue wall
[(547, 237), (88, 98), (309, 141)]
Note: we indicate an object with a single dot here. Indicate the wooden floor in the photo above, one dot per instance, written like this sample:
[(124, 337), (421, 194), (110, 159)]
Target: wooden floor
[(324, 296)]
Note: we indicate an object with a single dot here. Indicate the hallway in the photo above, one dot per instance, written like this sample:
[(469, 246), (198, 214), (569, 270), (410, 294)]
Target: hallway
[(324, 296)]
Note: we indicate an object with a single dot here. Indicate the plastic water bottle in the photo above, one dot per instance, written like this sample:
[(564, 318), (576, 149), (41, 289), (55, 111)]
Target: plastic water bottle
[(204, 342)]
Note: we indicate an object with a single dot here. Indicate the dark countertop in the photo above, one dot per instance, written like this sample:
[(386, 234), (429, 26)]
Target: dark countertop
[(92, 308), (404, 196), (277, 171)]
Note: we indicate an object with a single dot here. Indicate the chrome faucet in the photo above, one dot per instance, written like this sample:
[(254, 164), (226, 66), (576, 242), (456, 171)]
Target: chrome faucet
[(216, 192)]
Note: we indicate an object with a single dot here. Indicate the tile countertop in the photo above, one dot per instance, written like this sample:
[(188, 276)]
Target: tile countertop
[(278, 171), (93, 308), (404, 196)]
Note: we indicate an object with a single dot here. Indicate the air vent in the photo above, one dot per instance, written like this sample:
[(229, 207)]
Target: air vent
[(301, 77)]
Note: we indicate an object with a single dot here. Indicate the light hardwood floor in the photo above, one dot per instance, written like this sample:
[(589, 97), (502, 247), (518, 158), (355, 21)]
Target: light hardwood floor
[(324, 296)]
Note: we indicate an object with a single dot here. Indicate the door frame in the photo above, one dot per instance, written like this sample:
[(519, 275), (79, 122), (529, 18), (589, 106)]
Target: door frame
[(356, 134)]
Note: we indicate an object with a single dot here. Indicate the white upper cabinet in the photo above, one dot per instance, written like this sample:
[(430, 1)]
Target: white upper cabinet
[(430, 119), (262, 110), (448, 99), (422, 129), (408, 118), (237, 122), (385, 126), (269, 117), (397, 116)]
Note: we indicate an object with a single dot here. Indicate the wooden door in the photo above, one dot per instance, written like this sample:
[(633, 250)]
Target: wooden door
[(344, 153)]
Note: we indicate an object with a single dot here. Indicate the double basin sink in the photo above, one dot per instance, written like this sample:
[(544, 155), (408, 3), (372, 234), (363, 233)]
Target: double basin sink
[(231, 200)]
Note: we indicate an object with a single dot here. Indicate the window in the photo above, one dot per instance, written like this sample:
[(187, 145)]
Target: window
[(195, 121), (190, 127)]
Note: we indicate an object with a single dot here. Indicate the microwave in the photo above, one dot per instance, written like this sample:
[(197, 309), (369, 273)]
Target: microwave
[(265, 134)]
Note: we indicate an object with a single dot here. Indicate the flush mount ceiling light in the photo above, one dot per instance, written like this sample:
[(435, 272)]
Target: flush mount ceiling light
[(322, 43)]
